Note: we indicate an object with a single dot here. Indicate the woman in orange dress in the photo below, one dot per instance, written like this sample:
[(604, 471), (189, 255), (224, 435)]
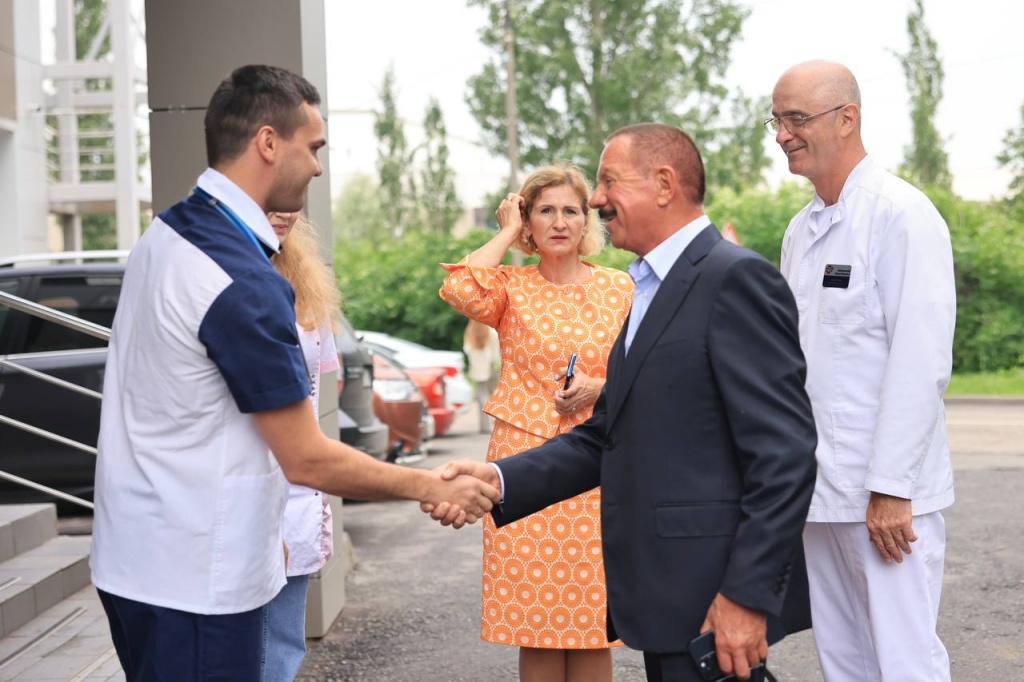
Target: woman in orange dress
[(543, 579)]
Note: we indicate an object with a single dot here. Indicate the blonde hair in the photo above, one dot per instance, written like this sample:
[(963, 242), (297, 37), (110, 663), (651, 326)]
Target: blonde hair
[(558, 175), (316, 295), (477, 335)]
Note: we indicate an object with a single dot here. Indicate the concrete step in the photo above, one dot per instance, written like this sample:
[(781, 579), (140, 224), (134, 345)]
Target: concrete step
[(24, 527), (38, 568), (69, 642), (36, 580), (51, 620)]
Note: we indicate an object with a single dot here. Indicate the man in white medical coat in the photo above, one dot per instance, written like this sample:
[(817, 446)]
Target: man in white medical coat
[(870, 264)]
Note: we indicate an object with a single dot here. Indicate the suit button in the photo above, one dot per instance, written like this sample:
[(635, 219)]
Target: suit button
[(610, 444)]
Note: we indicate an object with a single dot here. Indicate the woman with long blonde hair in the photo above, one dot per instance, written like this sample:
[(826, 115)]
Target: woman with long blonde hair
[(307, 524)]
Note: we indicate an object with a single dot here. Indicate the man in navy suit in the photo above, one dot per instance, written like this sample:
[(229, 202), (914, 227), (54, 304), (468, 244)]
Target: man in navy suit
[(702, 441)]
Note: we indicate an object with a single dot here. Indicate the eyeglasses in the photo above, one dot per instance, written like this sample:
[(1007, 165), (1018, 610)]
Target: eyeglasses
[(793, 121)]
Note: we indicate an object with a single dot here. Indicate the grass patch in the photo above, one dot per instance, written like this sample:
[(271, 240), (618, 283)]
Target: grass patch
[(999, 382)]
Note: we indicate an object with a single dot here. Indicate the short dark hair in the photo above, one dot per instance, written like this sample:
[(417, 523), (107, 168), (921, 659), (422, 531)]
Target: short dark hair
[(657, 144), (251, 97)]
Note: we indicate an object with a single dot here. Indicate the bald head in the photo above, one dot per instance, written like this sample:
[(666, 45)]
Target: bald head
[(827, 84)]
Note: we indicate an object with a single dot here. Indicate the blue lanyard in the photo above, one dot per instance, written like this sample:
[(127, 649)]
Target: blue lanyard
[(230, 215)]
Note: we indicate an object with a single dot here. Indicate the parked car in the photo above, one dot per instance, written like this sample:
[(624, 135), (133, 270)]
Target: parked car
[(358, 425), (432, 384), (398, 403), (91, 291), (459, 391)]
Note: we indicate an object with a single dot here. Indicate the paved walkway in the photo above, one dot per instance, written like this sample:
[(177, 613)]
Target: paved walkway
[(414, 596), (413, 600)]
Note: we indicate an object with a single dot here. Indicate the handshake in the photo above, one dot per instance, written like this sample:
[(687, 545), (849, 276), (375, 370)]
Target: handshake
[(461, 492)]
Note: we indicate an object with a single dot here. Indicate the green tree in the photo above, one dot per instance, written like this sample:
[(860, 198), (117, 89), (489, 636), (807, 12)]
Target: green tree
[(584, 69), (736, 158), (925, 161), (397, 190), (1012, 157), (439, 204), (357, 213)]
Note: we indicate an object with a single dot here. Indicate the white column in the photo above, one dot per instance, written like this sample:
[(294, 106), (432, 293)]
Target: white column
[(126, 151), (22, 150), (67, 123)]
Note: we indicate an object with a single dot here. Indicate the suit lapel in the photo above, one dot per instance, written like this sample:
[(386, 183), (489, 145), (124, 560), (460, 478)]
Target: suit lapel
[(623, 368), (616, 359)]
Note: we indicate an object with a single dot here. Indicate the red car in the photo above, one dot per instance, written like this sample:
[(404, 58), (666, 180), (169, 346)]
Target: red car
[(398, 402), (432, 384)]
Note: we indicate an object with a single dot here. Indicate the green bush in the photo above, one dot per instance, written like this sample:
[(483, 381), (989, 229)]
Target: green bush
[(760, 216), (988, 261), (392, 287)]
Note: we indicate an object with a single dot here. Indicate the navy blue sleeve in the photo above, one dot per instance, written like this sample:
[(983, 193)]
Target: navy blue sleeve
[(249, 333)]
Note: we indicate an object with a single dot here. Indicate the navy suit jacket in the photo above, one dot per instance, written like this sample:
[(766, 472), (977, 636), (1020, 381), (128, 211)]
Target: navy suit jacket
[(703, 444)]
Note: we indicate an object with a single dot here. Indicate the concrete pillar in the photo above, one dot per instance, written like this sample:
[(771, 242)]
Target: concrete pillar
[(22, 126), (194, 44), (191, 46)]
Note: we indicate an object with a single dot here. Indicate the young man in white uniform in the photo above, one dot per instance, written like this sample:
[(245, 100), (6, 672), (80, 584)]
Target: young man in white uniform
[(870, 264), (206, 405)]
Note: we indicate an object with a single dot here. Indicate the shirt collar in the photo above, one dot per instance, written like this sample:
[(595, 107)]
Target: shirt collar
[(862, 167), (663, 256), (217, 185)]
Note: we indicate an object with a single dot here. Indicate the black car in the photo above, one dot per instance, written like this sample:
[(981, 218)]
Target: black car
[(90, 291), (357, 424)]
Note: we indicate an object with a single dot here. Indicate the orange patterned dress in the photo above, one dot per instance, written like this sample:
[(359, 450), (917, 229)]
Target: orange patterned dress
[(543, 578)]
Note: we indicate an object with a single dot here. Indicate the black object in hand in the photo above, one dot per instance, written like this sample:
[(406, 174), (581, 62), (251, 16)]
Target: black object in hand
[(568, 372), (702, 650)]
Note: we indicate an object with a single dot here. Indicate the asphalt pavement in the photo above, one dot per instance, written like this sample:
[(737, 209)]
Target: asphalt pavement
[(413, 598)]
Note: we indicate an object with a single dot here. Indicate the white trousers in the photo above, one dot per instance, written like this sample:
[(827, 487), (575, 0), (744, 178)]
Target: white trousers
[(873, 621)]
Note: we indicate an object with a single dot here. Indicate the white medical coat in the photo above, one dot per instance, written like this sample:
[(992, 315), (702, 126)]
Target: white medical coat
[(879, 349)]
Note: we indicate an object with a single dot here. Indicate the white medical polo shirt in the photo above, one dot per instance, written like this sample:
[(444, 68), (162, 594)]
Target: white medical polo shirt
[(188, 496)]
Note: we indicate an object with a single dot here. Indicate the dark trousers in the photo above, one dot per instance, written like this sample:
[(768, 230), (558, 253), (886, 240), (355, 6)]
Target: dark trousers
[(671, 668), (157, 644), (681, 668)]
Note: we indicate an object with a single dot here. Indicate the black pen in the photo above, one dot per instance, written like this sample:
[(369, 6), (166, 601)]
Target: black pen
[(568, 371)]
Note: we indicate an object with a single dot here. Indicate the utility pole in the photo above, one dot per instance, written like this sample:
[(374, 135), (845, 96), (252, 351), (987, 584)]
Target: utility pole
[(510, 111)]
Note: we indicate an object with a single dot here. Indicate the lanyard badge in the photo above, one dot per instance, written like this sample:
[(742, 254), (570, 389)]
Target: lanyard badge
[(230, 215)]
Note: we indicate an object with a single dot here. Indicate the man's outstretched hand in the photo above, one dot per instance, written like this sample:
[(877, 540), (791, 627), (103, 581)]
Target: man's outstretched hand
[(450, 511)]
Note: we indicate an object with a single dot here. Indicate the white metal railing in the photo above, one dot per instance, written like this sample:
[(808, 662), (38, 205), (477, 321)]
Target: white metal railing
[(80, 145), (71, 322)]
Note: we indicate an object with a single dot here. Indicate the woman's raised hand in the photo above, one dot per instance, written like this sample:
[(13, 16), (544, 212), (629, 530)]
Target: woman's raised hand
[(510, 213)]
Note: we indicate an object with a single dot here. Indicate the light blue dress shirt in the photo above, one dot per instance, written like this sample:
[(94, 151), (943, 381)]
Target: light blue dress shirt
[(648, 272)]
